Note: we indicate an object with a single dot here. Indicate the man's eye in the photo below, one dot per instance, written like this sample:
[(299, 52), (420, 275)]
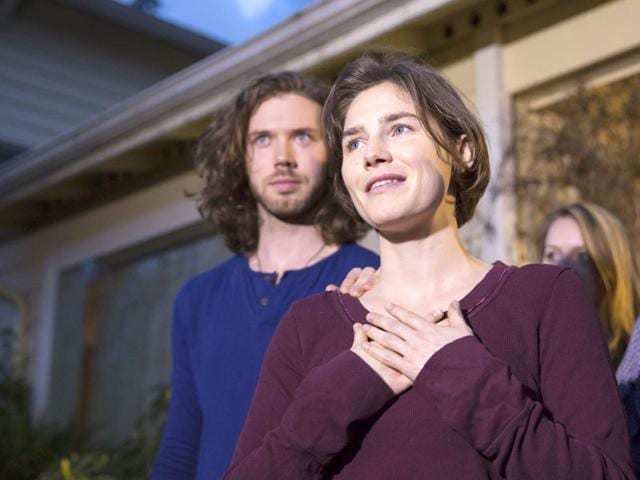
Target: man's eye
[(261, 140), (302, 137)]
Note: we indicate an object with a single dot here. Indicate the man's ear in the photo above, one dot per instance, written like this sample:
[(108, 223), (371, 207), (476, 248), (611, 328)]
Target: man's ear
[(466, 151)]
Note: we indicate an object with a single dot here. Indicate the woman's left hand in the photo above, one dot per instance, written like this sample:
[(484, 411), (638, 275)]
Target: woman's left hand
[(405, 341)]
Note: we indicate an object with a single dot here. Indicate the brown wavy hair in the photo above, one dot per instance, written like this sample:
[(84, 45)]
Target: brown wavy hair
[(440, 109), (226, 200)]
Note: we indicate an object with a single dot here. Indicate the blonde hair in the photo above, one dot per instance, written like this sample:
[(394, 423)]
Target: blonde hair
[(608, 246)]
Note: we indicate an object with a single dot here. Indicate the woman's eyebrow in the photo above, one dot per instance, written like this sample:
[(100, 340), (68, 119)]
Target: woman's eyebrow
[(350, 132), (392, 117), (387, 118)]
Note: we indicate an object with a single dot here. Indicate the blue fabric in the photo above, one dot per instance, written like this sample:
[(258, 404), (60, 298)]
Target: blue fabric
[(223, 322)]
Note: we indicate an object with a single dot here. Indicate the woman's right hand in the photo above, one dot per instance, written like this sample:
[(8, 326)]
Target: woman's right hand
[(356, 283), (396, 381)]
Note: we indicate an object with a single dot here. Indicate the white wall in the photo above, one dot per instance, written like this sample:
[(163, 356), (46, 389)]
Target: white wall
[(576, 44), (31, 266)]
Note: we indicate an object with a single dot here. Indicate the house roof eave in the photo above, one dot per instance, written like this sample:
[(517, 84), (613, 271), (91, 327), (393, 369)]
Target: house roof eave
[(322, 32)]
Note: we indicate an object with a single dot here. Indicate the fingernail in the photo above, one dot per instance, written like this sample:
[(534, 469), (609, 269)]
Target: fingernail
[(366, 328), (389, 306), (369, 316)]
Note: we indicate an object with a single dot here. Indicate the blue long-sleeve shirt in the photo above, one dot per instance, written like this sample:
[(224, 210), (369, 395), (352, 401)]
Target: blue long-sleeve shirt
[(223, 323)]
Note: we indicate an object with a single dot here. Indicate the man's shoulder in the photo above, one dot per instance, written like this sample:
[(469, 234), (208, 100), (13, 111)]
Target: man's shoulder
[(212, 277)]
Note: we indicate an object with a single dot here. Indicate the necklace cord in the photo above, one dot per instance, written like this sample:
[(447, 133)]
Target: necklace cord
[(311, 258)]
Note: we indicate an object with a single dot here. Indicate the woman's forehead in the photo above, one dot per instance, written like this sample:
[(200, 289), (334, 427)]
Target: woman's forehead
[(377, 101)]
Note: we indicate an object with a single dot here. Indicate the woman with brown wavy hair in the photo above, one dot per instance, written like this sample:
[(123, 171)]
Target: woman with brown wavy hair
[(388, 385)]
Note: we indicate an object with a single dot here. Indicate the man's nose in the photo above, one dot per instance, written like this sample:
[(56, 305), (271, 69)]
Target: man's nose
[(284, 155)]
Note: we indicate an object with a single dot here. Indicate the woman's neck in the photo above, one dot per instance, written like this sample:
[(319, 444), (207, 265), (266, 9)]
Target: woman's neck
[(424, 272)]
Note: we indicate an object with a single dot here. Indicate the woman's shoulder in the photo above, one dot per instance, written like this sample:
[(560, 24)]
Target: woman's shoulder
[(532, 286), (320, 306), (546, 288), (322, 327), (538, 271), (539, 279)]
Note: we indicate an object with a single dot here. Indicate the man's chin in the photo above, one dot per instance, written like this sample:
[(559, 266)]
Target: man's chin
[(291, 212), (297, 215)]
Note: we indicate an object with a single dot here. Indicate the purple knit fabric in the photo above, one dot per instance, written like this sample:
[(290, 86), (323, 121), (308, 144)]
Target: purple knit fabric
[(530, 396)]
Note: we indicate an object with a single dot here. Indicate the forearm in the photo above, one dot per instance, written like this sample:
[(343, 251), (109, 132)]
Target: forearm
[(314, 427), (177, 457), (476, 394), (178, 454)]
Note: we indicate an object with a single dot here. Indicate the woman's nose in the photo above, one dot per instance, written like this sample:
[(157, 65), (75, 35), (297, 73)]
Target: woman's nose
[(376, 153)]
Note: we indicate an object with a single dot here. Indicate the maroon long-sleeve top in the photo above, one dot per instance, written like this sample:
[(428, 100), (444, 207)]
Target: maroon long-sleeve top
[(530, 396)]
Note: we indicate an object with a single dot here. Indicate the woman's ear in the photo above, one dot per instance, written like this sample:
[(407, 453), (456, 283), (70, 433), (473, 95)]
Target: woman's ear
[(466, 151)]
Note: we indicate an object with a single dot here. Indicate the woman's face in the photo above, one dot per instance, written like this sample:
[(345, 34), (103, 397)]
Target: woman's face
[(563, 242), (391, 166), (564, 246)]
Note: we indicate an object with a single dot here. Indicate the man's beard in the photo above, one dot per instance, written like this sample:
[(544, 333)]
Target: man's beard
[(292, 208)]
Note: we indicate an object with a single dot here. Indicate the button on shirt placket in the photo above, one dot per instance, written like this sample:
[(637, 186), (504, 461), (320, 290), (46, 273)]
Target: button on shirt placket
[(267, 290)]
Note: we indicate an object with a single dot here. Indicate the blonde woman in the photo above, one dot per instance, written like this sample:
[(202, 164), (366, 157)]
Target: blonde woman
[(593, 242)]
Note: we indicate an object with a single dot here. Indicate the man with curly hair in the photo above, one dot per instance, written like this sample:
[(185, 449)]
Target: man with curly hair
[(264, 162)]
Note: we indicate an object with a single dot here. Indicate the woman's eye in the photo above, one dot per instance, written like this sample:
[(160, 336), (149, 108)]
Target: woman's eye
[(400, 129), (550, 257), (583, 257), (353, 145)]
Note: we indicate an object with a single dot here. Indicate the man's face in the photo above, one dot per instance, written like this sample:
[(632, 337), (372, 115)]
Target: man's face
[(286, 156)]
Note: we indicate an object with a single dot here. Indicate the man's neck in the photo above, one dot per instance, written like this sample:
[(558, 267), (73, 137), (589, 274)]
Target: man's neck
[(288, 246)]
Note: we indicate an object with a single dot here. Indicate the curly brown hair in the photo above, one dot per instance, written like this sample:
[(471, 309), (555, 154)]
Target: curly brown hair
[(442, 113), (226, 200)]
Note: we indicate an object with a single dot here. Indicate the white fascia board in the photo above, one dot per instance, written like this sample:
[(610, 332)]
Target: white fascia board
[(322, 32)]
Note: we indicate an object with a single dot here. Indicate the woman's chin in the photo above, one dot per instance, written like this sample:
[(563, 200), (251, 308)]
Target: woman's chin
[(393, 227)]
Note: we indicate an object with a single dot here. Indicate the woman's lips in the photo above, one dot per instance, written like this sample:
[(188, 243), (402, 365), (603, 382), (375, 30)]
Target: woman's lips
[(382, 183)]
